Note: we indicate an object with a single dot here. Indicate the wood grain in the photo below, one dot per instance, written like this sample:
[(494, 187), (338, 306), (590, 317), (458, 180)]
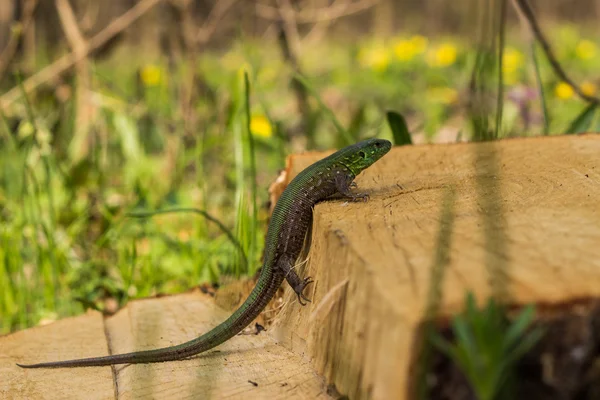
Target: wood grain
[(526, 209), (68, 338), (224, 373)]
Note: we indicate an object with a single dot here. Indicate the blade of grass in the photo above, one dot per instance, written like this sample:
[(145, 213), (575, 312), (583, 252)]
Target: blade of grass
[(500, 94), (583, 121), (253, 189), (519, 325), (44, 156), (6, 129), (52, 275), (540, 86), (399, 128), (238, 126), (132, 263), (241, 229)]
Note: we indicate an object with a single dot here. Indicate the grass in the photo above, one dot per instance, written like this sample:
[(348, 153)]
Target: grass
[(487, 346)]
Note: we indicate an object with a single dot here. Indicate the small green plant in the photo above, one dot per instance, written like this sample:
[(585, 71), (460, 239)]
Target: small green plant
[(488, 345), (399, 128)]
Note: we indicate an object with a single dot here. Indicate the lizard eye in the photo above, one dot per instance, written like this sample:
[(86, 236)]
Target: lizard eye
[(362, 154)]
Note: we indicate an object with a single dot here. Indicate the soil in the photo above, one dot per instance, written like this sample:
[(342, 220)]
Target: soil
[(564, 364)]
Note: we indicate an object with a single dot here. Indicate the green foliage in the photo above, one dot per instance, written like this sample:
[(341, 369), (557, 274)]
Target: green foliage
[(399, 128), (584, 120), (161, 135), (541, 92), (487, 345)]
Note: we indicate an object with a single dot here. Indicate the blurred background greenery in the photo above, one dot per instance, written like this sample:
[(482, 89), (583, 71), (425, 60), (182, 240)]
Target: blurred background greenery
[(155, 117)]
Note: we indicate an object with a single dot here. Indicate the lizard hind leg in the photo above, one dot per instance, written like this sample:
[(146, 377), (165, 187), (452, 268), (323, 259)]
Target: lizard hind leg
[(286, 265)]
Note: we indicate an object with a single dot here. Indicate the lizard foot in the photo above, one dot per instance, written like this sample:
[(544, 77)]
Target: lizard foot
[(300, 288), (360, 197)]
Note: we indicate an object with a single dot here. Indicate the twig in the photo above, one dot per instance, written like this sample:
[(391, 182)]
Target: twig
[(319, 29), (500, 94), (69, 25), (289, 25), (297, 86), (212, 21), (11, 48), (78, 45), (525, 10), (67, 61), (317, 14)]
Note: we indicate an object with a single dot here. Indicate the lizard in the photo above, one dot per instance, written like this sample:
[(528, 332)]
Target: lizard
[(288, 226)]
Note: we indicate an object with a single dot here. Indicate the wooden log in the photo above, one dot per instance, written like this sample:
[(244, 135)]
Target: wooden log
[(246, 367), (526, 211)]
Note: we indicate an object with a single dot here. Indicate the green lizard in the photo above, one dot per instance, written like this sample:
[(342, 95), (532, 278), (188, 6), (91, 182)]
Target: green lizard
[(285, 237)]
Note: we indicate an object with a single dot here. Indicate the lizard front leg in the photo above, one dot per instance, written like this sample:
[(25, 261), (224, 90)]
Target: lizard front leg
[(343, 183), (287, 266)]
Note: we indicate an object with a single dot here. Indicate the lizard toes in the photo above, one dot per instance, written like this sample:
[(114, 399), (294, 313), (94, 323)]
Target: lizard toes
[(300, 289), (361, 197)]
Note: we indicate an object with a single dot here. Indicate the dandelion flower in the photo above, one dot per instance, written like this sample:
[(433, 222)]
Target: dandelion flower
[(563, 91), (512, 60), (151, 75), (260, 126), (444, 56), (376, 58), (586, 49), (407, 49), (589, 88)]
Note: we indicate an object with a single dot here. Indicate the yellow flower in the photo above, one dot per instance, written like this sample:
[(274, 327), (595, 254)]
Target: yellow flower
[(443, 56), (260, 126), (589, 88), (512, 59), (407, 49), (444, 95), (563, 91), (151, 75), (404, 50), (377, 58), (420, 43), (586, 49)]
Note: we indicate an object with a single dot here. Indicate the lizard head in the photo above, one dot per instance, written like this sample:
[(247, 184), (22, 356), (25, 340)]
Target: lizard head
[(363, 154)]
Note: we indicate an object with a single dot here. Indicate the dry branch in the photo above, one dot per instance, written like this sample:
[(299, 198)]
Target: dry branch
[(67, 61), (11, 48), (317, 14), (78, 45), (69, 25), (212, 21)]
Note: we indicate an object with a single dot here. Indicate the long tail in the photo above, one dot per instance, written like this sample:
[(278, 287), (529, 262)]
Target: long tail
[(263, 292)]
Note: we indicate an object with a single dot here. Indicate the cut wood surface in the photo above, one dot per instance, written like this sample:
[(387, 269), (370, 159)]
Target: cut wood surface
[(528, 208), (525, 208), (246, 367)]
